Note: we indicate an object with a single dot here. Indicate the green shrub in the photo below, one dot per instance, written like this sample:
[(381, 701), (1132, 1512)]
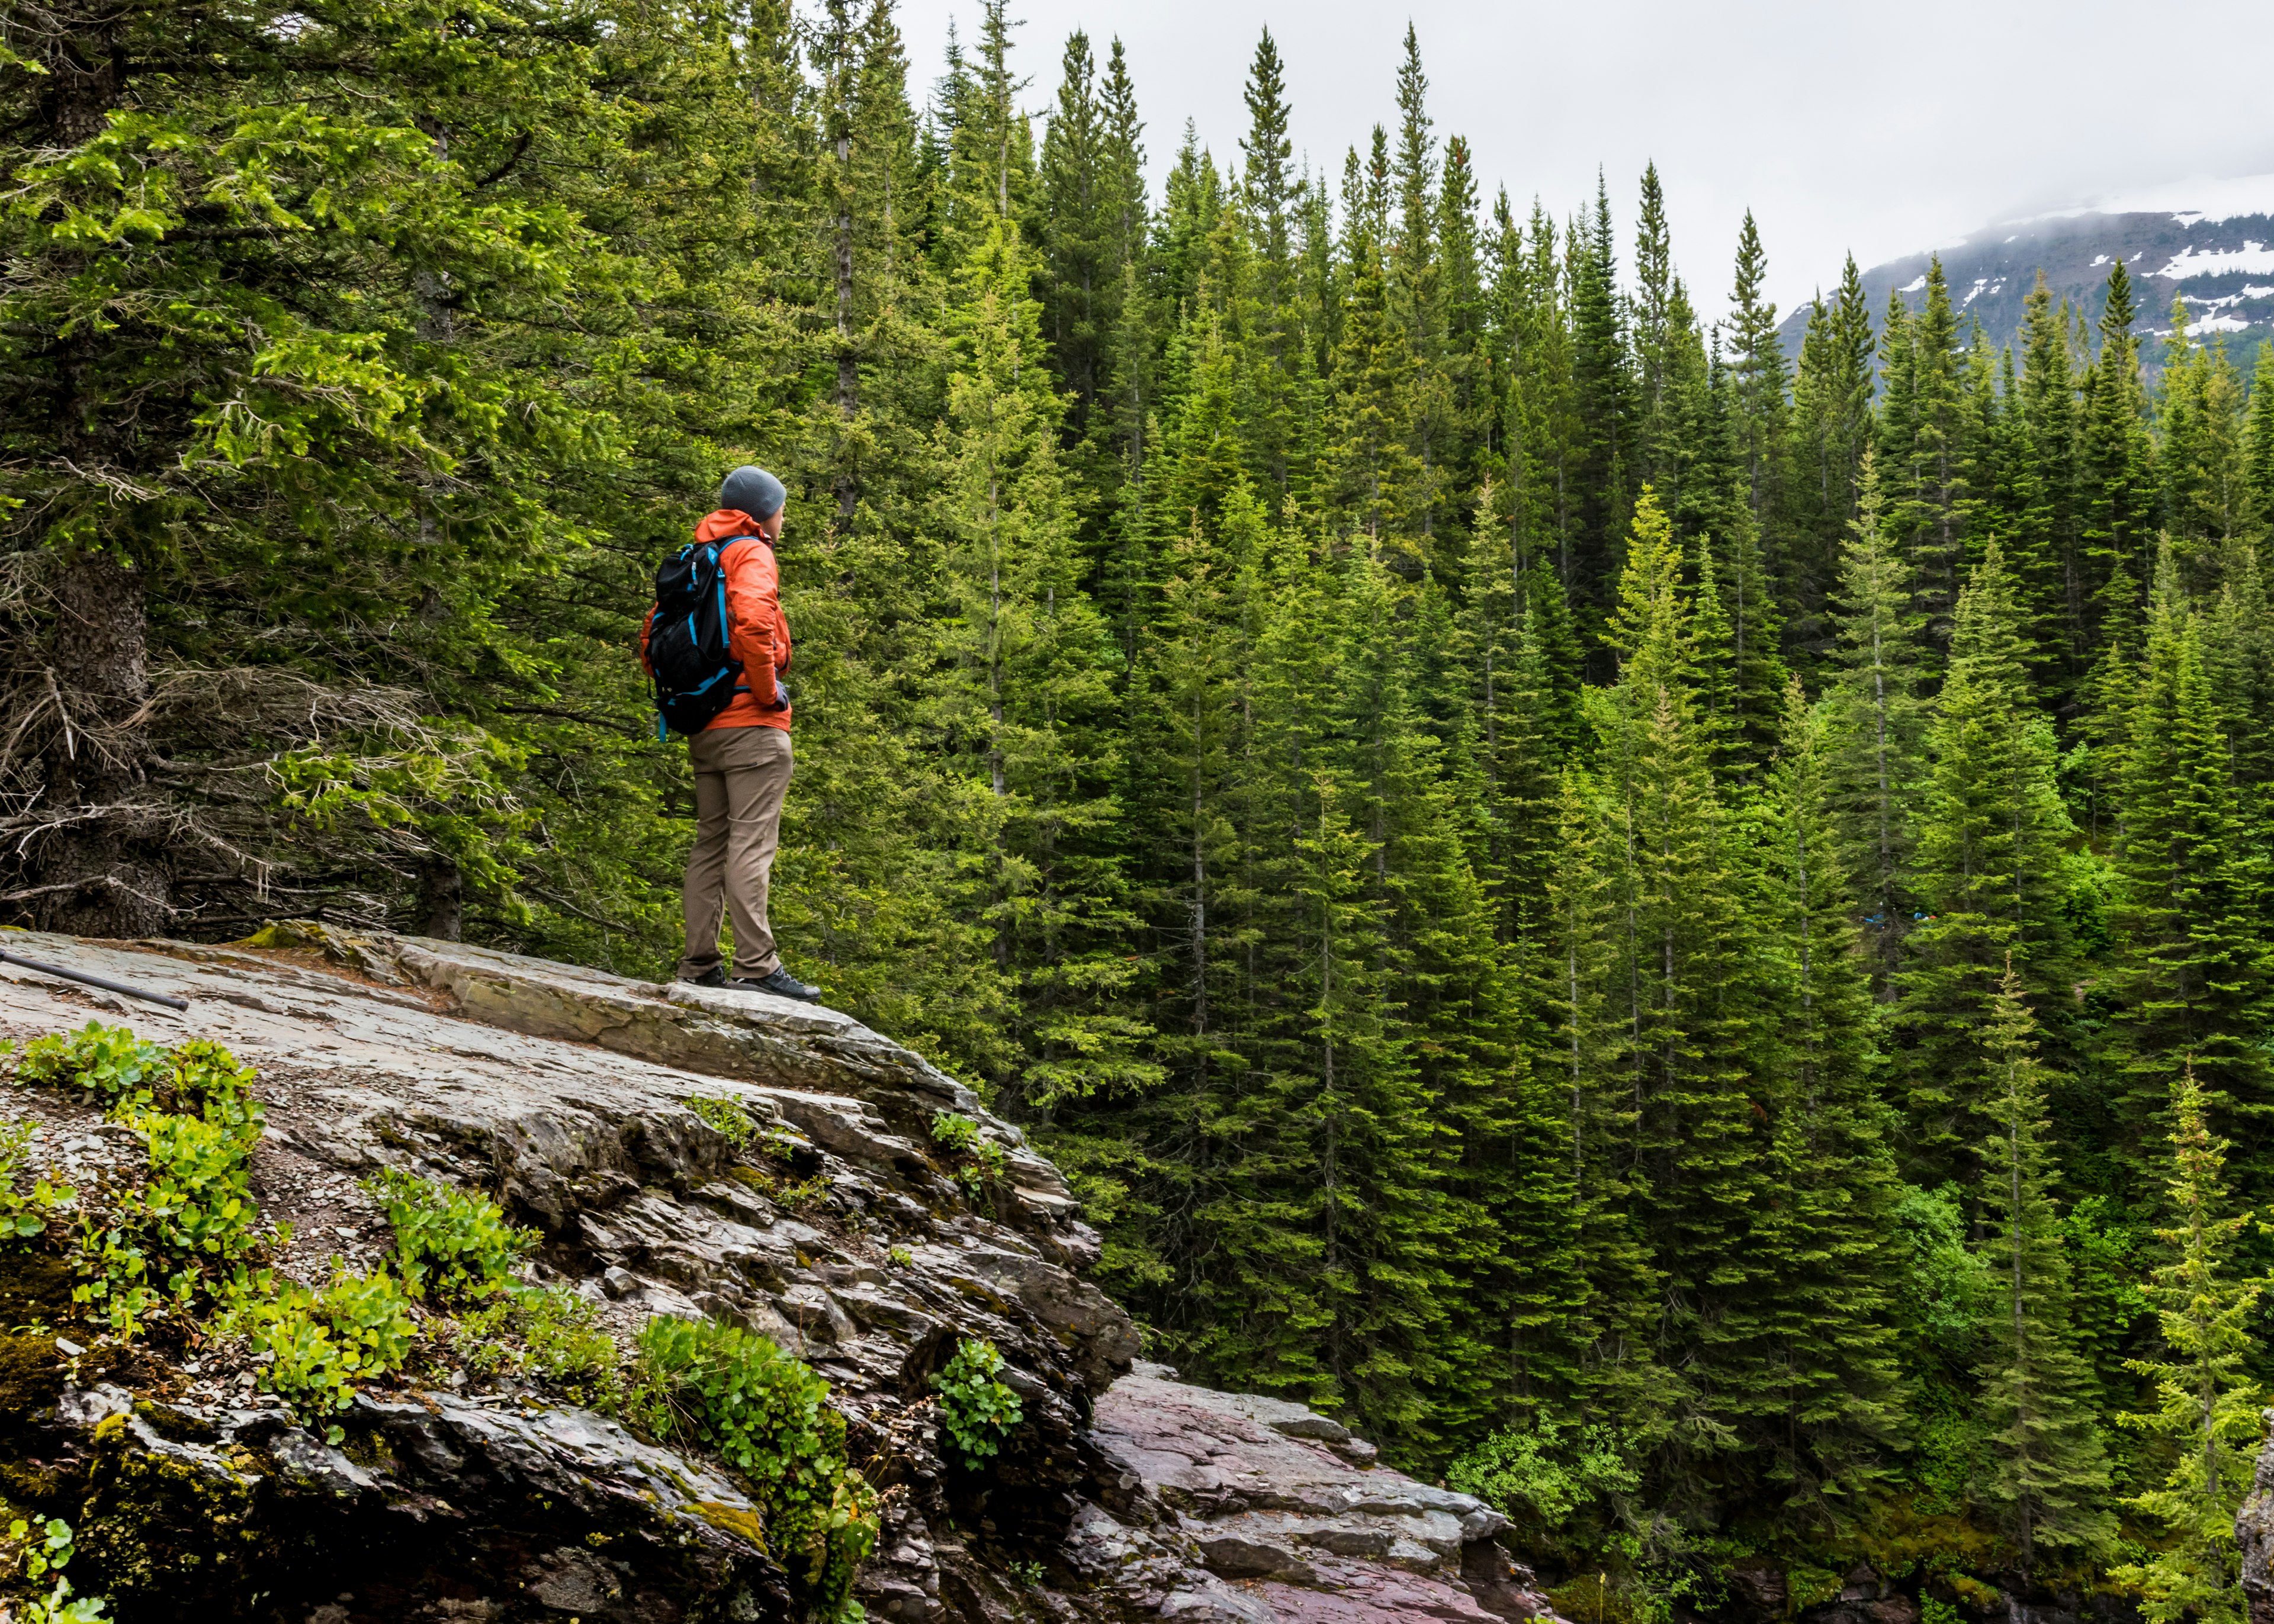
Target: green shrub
[(1806, 1587), (24, 1214), (191, 1223), (321, 1344), (977, 1411), (960, 1135), (548, 1334), (1540, 1476), (727, 1115), (767, 1416), (46, 1549), (953, 1131), (132, 1077), (108, 1062), (457, 1242), (204, 1080)]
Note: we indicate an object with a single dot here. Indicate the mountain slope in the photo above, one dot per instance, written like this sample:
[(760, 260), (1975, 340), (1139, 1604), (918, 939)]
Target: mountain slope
[(2211, 244)]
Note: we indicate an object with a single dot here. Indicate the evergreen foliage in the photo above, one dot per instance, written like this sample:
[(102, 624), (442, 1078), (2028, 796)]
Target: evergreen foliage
[(1607, 902)]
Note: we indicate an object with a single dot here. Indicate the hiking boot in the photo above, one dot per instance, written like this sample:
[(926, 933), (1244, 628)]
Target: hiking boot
[(782, 984), (715, 976)]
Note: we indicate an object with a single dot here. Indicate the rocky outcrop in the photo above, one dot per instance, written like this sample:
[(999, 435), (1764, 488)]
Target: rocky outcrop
[(2254, 1537), (565, 1092)]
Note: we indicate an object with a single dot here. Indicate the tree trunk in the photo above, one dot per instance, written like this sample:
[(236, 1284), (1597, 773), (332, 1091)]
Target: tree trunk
[(441, 898), (106, 879)]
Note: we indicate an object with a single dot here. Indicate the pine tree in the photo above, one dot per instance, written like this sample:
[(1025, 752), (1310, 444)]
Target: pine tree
[(2258, 440), (1683, 1010), (1924, 454), (1599, 483), (1989, 866), (2049, 406), (2116, 460), (1879, 746), (2048, 1470), (2191, 969), (2209, 1409), (1760, 410), (1832, 435), (1828, 1408), (1024, 695)]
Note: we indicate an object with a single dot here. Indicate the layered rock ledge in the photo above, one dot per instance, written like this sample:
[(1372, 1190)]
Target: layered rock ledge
[(563, 1092)]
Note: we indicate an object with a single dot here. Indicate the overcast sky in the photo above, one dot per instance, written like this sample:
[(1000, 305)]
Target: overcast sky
[(1883, 129)]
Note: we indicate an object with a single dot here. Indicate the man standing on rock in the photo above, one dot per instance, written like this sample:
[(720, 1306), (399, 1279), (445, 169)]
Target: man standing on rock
[(742, 757)]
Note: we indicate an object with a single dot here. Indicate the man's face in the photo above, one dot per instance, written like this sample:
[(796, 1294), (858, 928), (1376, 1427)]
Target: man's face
[(774, 526)]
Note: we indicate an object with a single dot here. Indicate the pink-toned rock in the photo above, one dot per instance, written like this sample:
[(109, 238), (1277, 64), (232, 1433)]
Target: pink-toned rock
[(1269, 1496)]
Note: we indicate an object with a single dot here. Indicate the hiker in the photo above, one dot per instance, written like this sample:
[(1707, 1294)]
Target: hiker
[(720, 683)]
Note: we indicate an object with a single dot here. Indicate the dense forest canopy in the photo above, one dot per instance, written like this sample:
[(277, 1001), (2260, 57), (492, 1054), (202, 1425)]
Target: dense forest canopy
[(1678, 931)]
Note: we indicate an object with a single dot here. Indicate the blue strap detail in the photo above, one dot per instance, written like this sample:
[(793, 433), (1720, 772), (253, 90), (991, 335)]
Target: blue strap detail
[(662, 728)]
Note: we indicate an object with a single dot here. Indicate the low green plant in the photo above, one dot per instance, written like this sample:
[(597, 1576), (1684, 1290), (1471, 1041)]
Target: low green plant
[(46, 1550), (454, 1242), (901, 1256), (24, 1215), (960, 1135), (803, 1194), (204, 1080), (1540, 1475), (549, 1334), (1932, 1611), (1807, 1587), (728, 1116), (767, 1416), (953, 1131), (109, 1063), (191, 1223), (978, 1411), (322, 1345)]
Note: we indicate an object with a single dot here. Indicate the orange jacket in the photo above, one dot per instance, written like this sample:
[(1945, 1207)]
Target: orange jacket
[(759, 636)]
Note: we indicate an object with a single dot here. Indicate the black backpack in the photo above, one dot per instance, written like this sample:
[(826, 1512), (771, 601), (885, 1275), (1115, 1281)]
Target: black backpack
[(695, 676)]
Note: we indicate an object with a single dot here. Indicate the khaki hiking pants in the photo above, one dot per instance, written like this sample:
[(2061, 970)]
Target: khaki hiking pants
[(740, 776)]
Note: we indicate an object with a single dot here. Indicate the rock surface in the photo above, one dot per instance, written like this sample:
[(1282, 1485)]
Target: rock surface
[(564, 1093), (2254, 1537)]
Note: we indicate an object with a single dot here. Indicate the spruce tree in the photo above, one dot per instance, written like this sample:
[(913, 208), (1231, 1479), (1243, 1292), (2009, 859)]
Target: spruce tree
[(1990, 868), (2047, 1470), (1827, 1412), (1879, 717), (2209, 1414), (2191, 972)]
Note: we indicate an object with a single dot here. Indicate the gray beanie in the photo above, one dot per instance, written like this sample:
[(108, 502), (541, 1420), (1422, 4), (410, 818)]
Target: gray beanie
[(752, 491)]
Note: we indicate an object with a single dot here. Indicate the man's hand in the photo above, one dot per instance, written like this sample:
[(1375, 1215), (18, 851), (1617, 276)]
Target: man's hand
[(781, 696)]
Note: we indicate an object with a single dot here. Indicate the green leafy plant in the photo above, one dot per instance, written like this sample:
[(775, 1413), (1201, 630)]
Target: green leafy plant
[(24, 1215), (204, 1080), (46, 1550), (454, 1241), (108, 1062), (803, 1194), (187, 1226), (546, 1332), (728, 1116), (953, 1131), (767, 1416), (960, 1135), (1541, 1474), (901, 1256), (322, 1343), (978, 1411)]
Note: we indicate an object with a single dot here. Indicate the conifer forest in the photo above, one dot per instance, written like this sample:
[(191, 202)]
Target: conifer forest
[(1682, 933)]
